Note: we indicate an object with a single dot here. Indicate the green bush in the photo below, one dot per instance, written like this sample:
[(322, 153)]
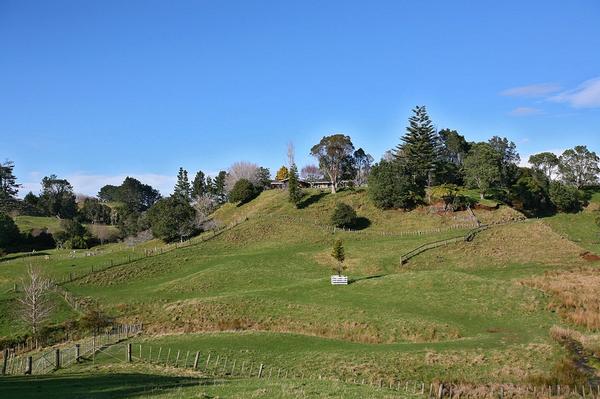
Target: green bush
[(343, 215), (243, 191), (566, 198), (73, 235), (172, 219), (391, 186), (9, 232)]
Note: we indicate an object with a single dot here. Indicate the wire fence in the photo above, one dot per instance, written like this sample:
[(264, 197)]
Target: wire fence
[(134, 257), (61, 356), (466, 237), (113, 347), (332, 229)]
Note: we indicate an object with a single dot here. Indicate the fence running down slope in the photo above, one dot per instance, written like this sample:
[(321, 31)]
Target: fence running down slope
[(60, 356)]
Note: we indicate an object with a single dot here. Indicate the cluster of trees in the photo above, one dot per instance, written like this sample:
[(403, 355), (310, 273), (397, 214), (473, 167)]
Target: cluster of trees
[(338, 161), (404, 177), (427, 158), (128, 203), (244, 181)]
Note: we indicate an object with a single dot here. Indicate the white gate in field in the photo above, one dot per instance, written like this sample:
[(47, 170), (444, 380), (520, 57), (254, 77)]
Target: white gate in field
[(339, 280)]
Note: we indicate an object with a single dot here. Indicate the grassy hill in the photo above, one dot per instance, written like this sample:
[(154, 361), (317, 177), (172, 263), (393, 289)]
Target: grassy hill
[(52, 224), (28, 223), (466, 312)]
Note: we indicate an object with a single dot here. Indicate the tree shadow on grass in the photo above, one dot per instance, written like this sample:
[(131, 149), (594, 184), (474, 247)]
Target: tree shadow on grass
[(356, 280), (361, 223), (23, 255), (311, 199), (99, 386)]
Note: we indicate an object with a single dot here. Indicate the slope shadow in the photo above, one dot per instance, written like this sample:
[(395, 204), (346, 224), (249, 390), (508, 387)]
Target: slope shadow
[(24, 255), (103, 386), (311, 199), (356, 280), (361, 223)]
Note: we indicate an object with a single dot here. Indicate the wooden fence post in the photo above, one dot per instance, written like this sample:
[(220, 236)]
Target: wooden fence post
[(77, 352), (5, 362), (196, 359), (57, 359), (129, 353), (260, 370), (29, 368)]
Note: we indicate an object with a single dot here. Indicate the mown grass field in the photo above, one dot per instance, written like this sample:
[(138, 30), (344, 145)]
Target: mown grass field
[(261, 290)]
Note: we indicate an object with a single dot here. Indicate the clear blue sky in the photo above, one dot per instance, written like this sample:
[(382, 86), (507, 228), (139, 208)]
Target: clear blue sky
[(93, 91)]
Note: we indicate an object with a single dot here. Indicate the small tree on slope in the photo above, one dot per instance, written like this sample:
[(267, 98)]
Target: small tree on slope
[(295, 193), (338, 254)]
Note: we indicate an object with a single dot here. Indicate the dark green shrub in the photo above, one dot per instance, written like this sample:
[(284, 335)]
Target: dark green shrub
[(243, 191), (566, 198), (391, 186), (9, 232), (343, 215), (73, 235), (172, 219)]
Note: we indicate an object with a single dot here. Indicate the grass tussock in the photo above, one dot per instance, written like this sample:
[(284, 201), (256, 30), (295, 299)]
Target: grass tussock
[(199, 316), (575, 294), (565, 372)]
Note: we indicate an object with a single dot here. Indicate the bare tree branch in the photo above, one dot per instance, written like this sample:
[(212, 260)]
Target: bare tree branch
[(35, 305)]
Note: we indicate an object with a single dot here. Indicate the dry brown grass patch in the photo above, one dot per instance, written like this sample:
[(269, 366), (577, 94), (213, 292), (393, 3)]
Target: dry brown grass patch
[(522, 243), (575, 294)]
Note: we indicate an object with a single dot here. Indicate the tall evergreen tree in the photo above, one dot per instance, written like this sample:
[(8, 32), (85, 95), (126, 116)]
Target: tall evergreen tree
[(199, 186), (210, 185), (8, 181), (419, 149), (183, 190), (295, 193), (219, 186)]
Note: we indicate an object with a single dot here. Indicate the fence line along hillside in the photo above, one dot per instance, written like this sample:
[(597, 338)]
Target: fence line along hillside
[(60, 356), (129, 258), (332, 229), (215, 365), (467, 237)]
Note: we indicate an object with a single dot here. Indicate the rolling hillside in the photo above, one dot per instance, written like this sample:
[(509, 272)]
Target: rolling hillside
[(465, 312)]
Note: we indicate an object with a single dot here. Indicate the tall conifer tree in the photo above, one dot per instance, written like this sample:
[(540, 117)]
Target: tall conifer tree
[(199, 186), (183, 190), (295, 193), (8, 181), (419, 149)]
